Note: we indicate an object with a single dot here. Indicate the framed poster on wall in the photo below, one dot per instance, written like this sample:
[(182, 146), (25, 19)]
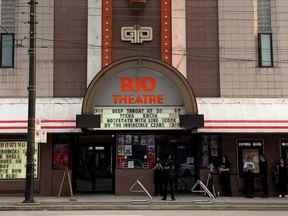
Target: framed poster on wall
[(60, 156), (249, 150)]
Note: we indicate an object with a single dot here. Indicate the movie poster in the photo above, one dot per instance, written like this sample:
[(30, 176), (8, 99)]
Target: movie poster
[(60, 156)]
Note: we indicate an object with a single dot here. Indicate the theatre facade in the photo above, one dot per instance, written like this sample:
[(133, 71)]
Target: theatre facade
[(121, 83)]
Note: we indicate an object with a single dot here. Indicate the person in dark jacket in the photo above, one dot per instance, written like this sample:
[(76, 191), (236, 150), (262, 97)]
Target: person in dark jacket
[(168, 177), (224, 173), (263, 165), (158, 177), (281, 177)]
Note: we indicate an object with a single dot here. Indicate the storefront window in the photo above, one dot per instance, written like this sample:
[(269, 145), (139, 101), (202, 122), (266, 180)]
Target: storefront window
[(211, 150), (135, 151)]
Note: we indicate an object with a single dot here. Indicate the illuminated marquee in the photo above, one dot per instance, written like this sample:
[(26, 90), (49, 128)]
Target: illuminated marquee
[(139, 117)]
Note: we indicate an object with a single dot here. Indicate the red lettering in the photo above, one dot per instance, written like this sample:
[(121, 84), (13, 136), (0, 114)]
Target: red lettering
[(126, 84), (148, 84), (143, 84), (139, 99)]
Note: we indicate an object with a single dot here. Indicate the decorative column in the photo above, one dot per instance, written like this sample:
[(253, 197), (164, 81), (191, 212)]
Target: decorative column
[(166, 33), (106, 32)]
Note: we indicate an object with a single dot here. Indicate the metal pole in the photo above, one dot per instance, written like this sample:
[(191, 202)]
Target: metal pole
[(29, 186)]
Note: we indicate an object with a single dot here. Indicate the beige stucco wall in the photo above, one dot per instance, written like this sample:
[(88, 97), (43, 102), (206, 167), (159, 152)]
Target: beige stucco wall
[(239, 74), (14, 82)]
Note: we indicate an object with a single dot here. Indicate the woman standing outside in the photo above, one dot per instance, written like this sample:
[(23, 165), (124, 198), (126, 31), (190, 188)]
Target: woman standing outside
[(224, 173)]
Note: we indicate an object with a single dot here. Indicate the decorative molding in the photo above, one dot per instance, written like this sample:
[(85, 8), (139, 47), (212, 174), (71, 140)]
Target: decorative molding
[(136, 34), (166, 32), (106, 32)]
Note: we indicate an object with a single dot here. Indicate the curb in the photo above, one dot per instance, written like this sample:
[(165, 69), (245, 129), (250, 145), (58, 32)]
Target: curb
[(142, 206)]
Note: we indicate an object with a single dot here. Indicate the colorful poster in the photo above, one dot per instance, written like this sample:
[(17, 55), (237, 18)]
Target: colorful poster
[(61, 157)]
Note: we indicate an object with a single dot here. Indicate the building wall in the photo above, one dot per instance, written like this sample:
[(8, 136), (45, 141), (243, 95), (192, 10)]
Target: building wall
[(271, 150), (14, 81), (94, 30), (122, 16), (70, 44), (239, 74), (202, 47), (179, 46)]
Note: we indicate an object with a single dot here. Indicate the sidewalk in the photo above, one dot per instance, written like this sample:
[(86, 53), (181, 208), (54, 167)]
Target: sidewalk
[(112, 202)]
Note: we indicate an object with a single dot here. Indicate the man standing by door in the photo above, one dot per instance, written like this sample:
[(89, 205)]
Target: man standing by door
[(168, 177), (264, 174)]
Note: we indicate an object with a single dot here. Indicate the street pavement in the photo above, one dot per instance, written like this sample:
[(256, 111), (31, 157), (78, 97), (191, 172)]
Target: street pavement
[(113, 202), (143, 213)]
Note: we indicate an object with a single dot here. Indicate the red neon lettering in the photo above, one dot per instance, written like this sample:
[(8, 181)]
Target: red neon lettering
[(143, 84)]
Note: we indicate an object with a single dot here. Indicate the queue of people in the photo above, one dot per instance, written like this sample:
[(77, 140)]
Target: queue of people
[(165, 177)]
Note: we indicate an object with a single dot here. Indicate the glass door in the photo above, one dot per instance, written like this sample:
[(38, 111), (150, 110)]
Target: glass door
[(94, 172)]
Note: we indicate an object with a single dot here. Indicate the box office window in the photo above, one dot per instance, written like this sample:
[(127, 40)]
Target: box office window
[(135, 151), (249, 150)]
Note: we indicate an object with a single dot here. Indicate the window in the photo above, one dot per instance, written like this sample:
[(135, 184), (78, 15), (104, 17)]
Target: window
[(265, 50), (135, 151), (211, 150), (264, 16), (7, 50), (265, 47)]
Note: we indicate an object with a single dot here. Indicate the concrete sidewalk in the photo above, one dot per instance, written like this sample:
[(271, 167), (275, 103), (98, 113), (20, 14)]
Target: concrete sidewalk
[(112, 202)]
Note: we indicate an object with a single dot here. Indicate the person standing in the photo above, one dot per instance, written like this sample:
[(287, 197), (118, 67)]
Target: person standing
[(263, 165), (158, 179), (224, 173), (281, 173), (249, 169), (168, 177)]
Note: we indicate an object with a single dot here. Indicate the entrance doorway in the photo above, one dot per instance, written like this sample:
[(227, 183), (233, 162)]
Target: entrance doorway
[(93, 167), (184, 152)]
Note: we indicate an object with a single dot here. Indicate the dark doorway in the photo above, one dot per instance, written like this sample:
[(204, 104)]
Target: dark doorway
[(183, 150), (94, 169)]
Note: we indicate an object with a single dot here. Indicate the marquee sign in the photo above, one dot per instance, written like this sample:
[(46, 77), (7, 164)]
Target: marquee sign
[(13, 160), (139, 117), (139, 93), (137, 87)]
